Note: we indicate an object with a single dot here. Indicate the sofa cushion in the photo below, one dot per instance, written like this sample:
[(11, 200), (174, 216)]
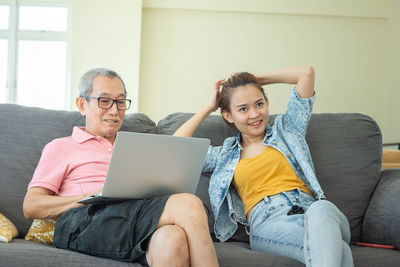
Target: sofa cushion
[(27, 253), (346, 150), (380, 224), (24, 133), (374, 257), (239, 254)]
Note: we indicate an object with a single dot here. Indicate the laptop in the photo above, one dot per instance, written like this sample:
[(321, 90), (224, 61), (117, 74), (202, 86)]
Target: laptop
[(147, 165)]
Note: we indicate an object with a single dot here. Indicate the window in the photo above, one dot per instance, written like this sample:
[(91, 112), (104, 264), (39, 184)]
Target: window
[(34, 44), (3, 69), (4, 17), (43, 18)]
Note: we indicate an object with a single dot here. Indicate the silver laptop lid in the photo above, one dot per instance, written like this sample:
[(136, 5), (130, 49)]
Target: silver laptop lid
[(148, 165)]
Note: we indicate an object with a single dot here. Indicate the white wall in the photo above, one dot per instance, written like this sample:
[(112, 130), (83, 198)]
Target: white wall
[(106, 34), (174, 50), (186, 46), (391, 103)]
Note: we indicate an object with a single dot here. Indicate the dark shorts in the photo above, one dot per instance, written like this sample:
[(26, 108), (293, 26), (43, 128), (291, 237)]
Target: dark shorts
[(119, 230)]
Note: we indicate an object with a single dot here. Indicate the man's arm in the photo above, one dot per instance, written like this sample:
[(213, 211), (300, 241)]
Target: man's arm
[(302, 76), (40, 203)]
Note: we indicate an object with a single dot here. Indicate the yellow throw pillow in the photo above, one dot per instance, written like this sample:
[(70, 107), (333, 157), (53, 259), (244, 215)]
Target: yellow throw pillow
[(42, 231), (7, 229)]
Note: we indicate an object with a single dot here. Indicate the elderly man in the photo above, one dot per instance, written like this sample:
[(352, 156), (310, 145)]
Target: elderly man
[(163, 231)]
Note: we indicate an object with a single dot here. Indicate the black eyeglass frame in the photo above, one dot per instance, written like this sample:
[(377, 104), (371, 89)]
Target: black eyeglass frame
[(98, 98)]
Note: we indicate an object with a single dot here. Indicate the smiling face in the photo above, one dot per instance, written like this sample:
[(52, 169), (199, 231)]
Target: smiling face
[(103, 122), (248, 111)]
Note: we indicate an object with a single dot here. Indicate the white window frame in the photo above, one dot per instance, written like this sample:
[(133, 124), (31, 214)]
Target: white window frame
[(13, 35)]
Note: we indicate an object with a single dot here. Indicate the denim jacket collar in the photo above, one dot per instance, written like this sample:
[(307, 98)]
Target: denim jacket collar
[(237, 142)]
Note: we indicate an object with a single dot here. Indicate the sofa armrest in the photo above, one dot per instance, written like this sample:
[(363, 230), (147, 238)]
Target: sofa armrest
[(381, 220)]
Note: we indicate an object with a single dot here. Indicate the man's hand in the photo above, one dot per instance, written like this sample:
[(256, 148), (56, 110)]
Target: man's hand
[(95, 192)]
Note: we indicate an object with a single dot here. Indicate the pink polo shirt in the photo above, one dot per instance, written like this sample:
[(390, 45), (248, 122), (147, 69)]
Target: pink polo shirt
[(73, 165)]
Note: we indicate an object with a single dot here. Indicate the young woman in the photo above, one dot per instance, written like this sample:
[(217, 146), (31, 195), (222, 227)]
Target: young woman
[(264, 178)]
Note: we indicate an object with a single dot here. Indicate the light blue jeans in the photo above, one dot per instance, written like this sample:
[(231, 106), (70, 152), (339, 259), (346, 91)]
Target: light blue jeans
[(320, 237)]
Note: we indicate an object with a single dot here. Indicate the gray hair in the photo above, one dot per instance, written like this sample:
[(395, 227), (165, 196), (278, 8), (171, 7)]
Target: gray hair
[(86, 82)]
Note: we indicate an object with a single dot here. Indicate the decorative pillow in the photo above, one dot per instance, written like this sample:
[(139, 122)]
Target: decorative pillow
[(7, 229), (42, 231)]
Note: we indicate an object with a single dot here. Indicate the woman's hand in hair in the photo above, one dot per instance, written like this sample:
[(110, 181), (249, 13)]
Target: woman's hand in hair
[(187, 129), (213, 103)]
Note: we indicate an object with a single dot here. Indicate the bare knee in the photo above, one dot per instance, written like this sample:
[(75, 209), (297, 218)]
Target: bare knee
[(188, 207), (189, 200), (168, 247)]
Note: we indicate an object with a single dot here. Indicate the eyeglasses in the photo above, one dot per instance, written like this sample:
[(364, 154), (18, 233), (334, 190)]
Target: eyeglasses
[(107, 103)]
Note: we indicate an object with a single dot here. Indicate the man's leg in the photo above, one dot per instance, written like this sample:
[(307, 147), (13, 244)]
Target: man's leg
[(168, 247), (186, 212)]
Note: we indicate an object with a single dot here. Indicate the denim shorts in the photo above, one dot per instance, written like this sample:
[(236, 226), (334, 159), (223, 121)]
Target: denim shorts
[(273, 231), (118, 230)]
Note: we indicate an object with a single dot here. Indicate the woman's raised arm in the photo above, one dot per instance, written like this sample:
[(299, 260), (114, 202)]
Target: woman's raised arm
[(302, 76), (187, 129)]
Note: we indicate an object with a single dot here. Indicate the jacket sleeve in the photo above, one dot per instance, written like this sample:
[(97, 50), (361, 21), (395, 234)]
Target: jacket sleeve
[(211, 158), (298, 113)]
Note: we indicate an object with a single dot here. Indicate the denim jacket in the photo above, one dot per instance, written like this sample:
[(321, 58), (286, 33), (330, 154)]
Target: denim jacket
[(287, 135)]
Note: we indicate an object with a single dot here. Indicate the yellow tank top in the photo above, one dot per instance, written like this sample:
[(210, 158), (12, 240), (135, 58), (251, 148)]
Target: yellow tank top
[(267, 174)]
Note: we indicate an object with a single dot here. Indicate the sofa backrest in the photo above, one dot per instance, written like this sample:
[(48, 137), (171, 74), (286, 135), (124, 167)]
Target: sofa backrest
[(24, 131), (346, 151)]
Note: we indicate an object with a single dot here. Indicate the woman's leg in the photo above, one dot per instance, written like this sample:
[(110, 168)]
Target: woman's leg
[(347, 257), (326, 227), (273, 231)]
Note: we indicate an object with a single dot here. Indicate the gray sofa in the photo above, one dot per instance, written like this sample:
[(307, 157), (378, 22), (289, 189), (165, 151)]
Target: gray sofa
[(346, 150)]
